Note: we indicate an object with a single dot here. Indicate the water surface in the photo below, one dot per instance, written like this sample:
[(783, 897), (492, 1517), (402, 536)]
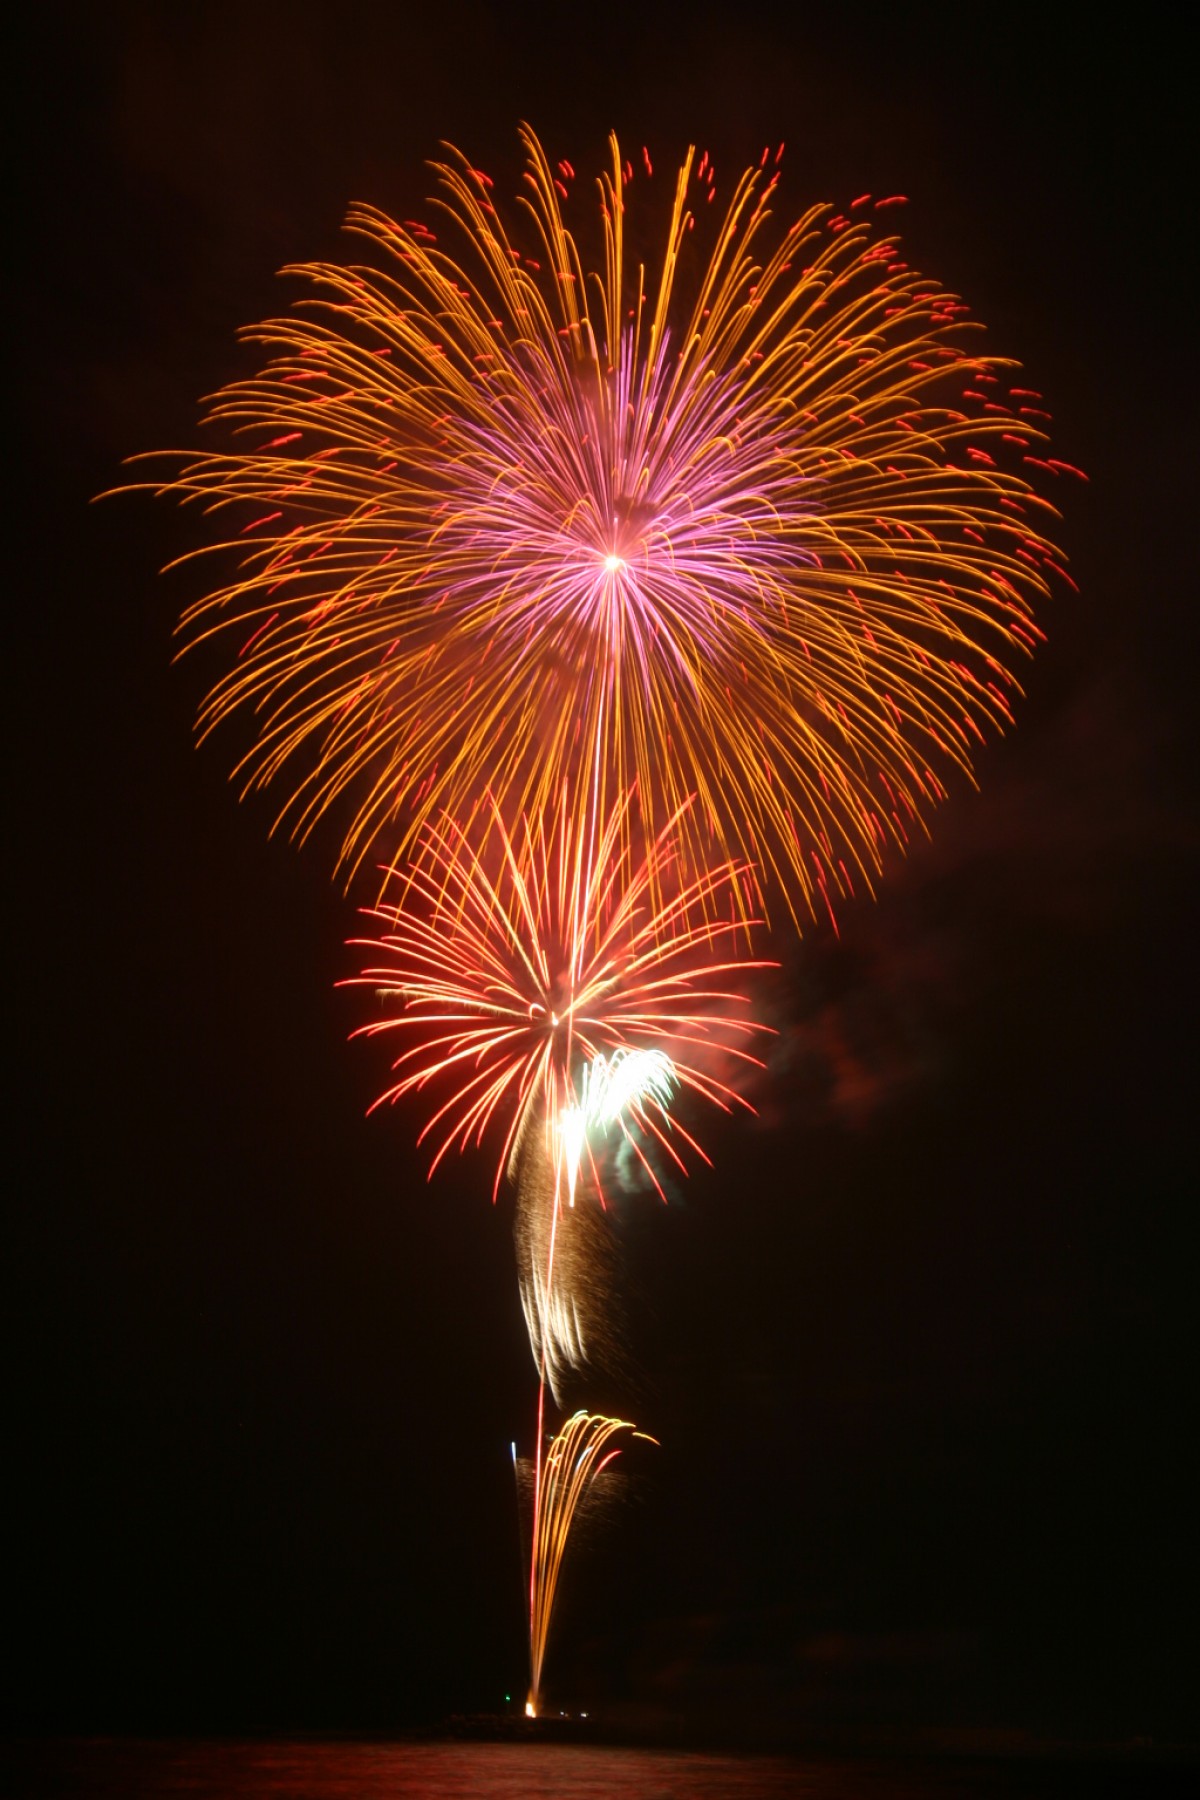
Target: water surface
[(160, 1769)]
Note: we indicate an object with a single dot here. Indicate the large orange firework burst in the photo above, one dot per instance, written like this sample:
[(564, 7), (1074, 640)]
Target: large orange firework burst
[(755, 519), (523, 966)]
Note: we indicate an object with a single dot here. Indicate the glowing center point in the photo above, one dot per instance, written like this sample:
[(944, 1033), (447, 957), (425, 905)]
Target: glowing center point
[(614, 562)]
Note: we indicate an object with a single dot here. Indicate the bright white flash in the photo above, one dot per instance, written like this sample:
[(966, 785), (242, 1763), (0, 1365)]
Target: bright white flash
[(626, 1078), (572, 1132), (613, 563), (611, 1085)]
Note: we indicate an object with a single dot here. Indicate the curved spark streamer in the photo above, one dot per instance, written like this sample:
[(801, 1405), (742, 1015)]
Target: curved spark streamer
[(611, 1086), (756, 522), (628, 1078), (580, 1452), (518, 965)]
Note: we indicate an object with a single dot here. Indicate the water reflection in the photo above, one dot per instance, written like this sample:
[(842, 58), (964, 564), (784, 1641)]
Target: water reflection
[(115, 1769)]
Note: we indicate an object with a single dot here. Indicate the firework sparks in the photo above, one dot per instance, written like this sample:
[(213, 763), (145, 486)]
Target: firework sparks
[(540, 977), (569, 1281), (758, 525), (523, 964), (612, 1087), (613, 598), (583, 1449)]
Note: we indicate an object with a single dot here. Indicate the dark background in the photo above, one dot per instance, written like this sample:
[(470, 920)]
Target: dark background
[(920, 1347)]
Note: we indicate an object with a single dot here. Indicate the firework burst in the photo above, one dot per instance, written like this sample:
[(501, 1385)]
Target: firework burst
[(755, 519), (520, 964), (612, 595)]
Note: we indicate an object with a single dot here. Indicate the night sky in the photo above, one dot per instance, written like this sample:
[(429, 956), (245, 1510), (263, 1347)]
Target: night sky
[(920, 1347)]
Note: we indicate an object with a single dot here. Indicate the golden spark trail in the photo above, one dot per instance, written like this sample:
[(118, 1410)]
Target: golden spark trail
[(581, 1451)]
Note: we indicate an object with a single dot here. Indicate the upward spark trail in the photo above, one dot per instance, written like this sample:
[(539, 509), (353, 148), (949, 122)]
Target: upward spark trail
[(579, 1454)]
